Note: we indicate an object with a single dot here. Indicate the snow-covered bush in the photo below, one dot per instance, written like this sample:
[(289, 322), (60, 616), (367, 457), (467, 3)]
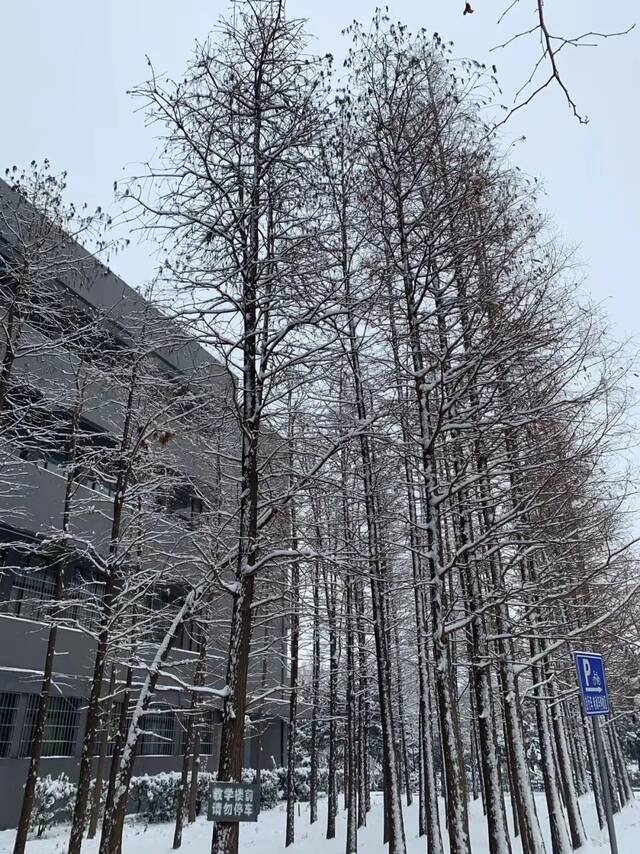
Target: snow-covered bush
[(205, 779), (53, 801), (634, 776), (270, 789), (270, 785), (153, 796), (273, 783)]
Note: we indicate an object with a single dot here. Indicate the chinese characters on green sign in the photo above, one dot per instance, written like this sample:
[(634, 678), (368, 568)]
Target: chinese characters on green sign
[(233, 802)]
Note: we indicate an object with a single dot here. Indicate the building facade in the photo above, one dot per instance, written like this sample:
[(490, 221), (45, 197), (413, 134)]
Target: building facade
[(79, 304)]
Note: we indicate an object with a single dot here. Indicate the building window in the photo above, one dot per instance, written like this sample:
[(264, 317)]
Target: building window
[(60, 727), (8, 704), (157, 739), (197, 509), (205, 723), (159, 612), (188, 636), (86, 594), (114, 725), (208, 733), (32, 593)]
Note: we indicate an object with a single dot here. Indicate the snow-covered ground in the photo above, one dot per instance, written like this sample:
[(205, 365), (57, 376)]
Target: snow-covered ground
[(267, 836)]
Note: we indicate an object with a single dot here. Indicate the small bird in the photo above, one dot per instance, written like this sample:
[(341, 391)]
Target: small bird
[(467, 9)]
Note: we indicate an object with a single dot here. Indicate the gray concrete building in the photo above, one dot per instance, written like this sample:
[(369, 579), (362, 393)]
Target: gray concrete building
[(80, 295)]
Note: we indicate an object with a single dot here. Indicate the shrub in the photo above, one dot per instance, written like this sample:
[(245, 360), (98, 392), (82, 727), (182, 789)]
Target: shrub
[(53, 801), (154, 796)]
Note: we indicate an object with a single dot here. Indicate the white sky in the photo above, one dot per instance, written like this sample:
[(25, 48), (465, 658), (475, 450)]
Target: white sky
[(66, 66)]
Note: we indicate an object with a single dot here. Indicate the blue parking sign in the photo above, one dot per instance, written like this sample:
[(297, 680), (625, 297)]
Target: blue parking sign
[(593, 683)]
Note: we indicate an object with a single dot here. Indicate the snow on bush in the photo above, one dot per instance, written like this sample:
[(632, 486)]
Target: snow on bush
[(53, 801), (273, 783), (154, 796), (270, 785), (302, 781)]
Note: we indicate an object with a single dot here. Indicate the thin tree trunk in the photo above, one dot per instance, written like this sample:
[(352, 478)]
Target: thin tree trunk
[(576, 828), (332, 796), (197, 722), (315, 696), (111, 586), (350, 782), (96, 796), (560, 843), (292, 729), (593, 767), (401, 694), (422, 796), (47, 676), (364, 777), (430, 805), (393, 805), (38, 731), (184, 775), (116, 754)]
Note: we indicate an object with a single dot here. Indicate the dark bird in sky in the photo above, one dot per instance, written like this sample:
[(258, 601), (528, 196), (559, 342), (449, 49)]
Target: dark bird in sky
[(467, 9)]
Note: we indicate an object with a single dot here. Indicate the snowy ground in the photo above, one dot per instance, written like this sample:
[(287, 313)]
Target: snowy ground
[(267, 836)]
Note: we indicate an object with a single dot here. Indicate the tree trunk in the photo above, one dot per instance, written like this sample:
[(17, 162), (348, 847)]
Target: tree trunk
[(292, 729), (111, 587), (332, 796), (315, 695), (184, 775), (38, 732), (116, 754), (364, 776), (576, 828), (96, 796), (195, 752), (350, 782)]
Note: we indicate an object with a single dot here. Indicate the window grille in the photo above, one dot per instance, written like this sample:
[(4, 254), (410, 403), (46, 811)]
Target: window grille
[(60, 728), (8, 704), (207, 733), (205, 724), (186, 636), (160, 611), (158, 734), (87, 594), (32, 593), (114, 723)]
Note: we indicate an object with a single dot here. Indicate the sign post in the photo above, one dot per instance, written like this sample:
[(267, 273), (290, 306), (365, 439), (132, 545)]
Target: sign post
[(595, 699), (233, 801)]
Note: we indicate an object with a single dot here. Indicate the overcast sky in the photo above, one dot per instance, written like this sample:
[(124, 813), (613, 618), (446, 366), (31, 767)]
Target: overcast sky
[(66, 67)]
